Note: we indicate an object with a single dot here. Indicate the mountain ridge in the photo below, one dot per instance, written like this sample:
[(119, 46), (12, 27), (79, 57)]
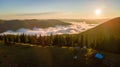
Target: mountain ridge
[(105, 36), (29, 24)]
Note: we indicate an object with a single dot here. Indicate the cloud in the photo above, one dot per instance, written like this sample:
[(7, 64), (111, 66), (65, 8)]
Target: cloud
[(74, 28), (44, 13)]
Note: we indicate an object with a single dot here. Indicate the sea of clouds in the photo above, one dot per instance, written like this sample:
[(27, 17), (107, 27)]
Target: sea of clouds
[(74, 28)]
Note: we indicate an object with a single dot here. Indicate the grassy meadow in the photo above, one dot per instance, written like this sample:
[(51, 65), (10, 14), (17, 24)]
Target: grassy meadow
[(35, 56)]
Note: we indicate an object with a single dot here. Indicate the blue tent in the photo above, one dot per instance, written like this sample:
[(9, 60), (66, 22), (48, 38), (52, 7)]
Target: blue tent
[(98, 56)]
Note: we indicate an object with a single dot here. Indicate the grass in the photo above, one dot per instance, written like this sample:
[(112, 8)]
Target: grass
[(27, 56)]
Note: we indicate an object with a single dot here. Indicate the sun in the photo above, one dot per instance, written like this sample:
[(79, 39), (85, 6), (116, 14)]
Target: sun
[(98, 11)]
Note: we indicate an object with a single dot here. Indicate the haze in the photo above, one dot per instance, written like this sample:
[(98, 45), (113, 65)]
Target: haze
[(58, 9)]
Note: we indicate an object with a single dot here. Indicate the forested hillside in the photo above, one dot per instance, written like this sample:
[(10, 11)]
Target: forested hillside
[(103, 37)]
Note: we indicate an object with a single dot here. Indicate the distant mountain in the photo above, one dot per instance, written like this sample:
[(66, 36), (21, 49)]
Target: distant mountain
[(88, 21), (105, 36), (16, 24)]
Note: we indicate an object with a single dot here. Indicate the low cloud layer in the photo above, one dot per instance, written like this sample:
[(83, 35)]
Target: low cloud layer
[(74, 28)]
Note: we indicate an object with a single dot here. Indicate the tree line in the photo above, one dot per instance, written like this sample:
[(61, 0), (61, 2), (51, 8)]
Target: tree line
[(69, 40), (52, 40)]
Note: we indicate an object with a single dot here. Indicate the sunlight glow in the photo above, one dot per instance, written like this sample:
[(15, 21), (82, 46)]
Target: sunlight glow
[(98, 11)]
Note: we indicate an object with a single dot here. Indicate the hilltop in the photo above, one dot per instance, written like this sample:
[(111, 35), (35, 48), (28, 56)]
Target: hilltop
[(105, 36)]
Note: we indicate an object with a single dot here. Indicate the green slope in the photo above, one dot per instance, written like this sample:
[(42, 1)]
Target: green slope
[(111, 27), (26, 56), (105, 36)]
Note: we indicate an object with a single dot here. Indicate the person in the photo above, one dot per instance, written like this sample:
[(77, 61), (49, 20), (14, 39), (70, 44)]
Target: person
[(86, 58), (76, 49), (75, 57)]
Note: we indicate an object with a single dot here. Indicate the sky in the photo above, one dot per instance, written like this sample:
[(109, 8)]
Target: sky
[(42, 9)]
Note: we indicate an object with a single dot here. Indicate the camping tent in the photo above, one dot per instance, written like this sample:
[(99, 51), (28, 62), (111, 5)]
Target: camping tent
[(98, 56)]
